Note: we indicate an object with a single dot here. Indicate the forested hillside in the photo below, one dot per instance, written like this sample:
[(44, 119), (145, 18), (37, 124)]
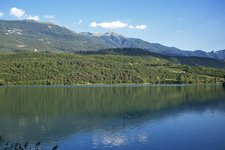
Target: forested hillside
[(30, 68)]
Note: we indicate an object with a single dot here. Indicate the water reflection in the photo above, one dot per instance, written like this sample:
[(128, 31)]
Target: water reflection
[(101, 116)]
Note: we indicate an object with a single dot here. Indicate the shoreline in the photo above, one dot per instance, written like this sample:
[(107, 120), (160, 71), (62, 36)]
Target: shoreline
[(110, 85)]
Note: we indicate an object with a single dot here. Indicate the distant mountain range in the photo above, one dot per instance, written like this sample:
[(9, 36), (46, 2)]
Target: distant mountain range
[(36, 36), (119, 41)]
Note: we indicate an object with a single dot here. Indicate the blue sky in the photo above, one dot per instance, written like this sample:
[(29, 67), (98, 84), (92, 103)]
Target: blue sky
[(186, 24)]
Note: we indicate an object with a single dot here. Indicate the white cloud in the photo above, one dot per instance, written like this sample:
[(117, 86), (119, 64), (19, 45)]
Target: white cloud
[(141, 27), (117, 25), (20, 13), (131, 27), (93, 24), (110, 25), (1, 14), (16, 12), (35, 18), (49, 17)]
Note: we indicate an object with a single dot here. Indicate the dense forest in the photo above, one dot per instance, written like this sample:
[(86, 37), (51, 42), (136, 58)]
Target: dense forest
[(32, 68)]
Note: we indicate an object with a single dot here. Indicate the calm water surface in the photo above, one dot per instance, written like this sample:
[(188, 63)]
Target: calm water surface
[(125, 117)]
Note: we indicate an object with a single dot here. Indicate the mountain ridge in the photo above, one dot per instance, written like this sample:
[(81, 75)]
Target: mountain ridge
[(154, 47), (17, 35)]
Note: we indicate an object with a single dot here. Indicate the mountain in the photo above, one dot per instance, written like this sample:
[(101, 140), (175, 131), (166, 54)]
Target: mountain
[(36, 36), (219, 54), (120, 41), (31, 35)]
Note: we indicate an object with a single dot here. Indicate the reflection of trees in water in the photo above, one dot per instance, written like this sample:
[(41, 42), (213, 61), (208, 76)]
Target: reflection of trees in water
[(105, 101), (33, 113)]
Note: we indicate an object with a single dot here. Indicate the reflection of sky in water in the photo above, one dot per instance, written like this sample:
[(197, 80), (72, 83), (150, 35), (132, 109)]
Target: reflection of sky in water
[(117, 139), (106, 139), (110, 139), (182, 131), (179, 130)]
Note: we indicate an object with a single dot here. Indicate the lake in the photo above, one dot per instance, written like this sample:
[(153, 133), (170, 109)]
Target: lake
[(115, 117)]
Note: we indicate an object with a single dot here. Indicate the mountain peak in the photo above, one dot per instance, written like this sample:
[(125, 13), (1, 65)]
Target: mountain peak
[(113, 34), (91, 34), (108, 34)]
